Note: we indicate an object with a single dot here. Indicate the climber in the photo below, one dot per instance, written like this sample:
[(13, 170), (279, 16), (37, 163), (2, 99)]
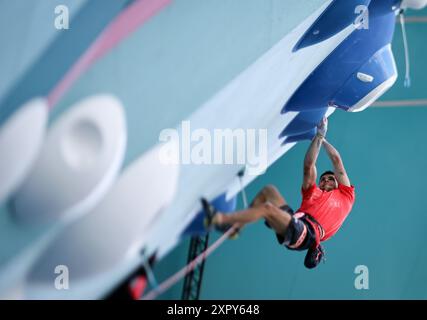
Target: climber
[(322, 212)]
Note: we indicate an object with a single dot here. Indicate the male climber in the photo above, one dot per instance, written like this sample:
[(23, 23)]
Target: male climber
[(323, 210)]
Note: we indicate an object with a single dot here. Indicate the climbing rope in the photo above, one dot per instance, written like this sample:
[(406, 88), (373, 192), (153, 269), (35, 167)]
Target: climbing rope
[(153, 294), (242, 188), (164, 286), (407, 82)]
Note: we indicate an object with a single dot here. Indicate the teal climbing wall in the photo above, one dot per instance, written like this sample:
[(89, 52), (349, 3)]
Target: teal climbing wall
[(385, 153)]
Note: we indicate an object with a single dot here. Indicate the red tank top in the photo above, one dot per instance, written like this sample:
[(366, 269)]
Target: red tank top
[(330, 209)]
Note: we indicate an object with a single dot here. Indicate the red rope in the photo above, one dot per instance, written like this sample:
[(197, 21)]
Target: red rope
[(188, 268)]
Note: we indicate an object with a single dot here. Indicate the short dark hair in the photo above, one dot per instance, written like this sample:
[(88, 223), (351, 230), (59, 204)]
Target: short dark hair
[(327, 172)]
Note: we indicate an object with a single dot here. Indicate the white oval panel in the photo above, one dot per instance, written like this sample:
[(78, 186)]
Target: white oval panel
[(80, 159), (20, 140), (100, 243)]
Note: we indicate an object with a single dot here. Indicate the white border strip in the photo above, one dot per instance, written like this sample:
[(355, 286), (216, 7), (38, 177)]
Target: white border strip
[(401, 103)]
